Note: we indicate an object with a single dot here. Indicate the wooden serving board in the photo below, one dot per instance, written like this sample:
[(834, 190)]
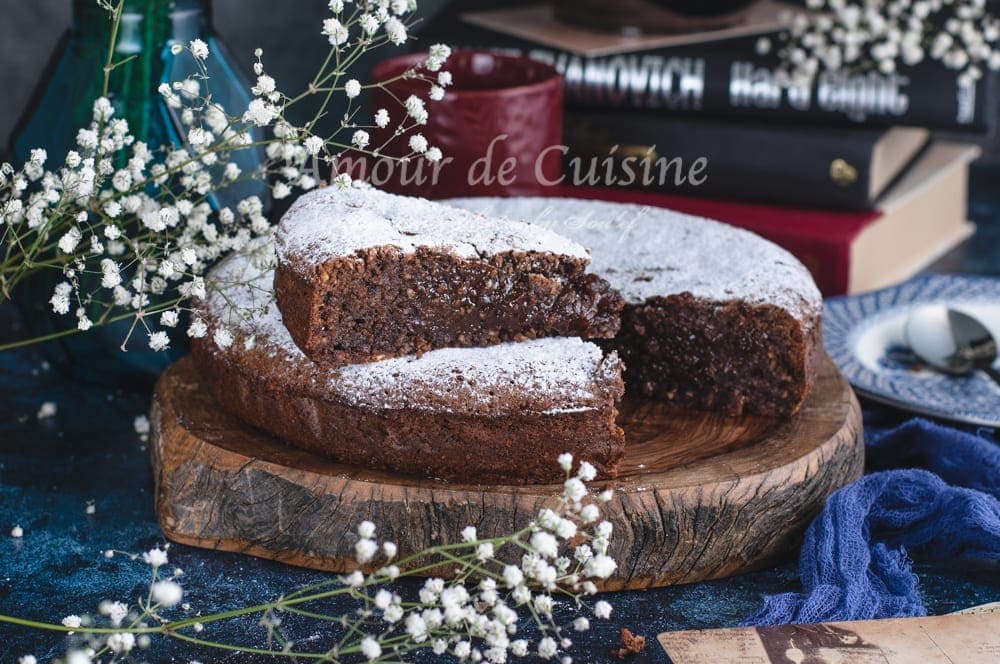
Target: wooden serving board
[(699, 496)]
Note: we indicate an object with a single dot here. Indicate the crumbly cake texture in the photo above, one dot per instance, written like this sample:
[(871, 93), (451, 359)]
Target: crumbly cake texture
[(500, 414), (715, 317), (364, 275)]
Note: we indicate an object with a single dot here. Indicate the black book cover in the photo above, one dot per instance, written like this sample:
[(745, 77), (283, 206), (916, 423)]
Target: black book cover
[(728, 79), (814, 167)]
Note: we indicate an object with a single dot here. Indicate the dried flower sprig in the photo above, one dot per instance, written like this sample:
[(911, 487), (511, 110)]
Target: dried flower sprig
[(494, 586), (883, 35), (132, 228)]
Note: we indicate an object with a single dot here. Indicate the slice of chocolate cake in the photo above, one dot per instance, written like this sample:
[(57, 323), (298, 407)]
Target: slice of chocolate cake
[(497, 415), (716, 317), (363, 275)]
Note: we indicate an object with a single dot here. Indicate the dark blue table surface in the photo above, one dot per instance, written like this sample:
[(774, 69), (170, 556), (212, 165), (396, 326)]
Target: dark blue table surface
[(51, 469)]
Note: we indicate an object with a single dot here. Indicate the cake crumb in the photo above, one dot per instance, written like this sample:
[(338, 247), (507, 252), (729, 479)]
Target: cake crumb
[(631, 644)]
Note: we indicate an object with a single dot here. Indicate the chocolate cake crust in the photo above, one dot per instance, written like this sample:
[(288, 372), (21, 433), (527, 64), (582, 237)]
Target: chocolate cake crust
[(363, 275), (501, 414), (716, 317)]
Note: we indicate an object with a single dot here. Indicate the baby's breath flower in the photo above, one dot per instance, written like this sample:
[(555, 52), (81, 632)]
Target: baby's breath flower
[(354, 580), (393, 614), (545, 544), (586, 472), (197, 329), (360, 139), (415, 108), (115, 611), (382, 599), (433, 154), (223, 337), (418, 143), (27, 659), (72, 621), (574, 489), (199, 49), (438, 55), (159, 340), (78, 657), (512, 576), (368, 23), (265, 85), (382, 118), (335, 31), (155, 557), (370, 648), (121, 643), (352, 88), (602, 610), (395, 30), (600, 566), (259, 112), (313, 145), (167, 593), (17, 532), (365, 550), (416, 627), (547, 648), (281, 190)]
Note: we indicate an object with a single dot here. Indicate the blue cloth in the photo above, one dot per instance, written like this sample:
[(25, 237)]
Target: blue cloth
[(855, 556)]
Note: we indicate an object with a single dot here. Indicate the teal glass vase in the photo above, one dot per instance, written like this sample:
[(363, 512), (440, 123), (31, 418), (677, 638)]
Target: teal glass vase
[(63, 103)]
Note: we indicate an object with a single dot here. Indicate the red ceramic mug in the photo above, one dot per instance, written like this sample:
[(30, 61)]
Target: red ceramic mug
[(498, 126)]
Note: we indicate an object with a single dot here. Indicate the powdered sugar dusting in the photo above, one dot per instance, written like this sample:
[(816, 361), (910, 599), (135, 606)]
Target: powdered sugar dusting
[(646, 252), (553, 375), (331, 222)]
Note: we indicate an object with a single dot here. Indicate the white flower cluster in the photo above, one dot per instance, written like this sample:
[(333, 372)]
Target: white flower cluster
[(884, 34), (164, 593), (132, 228), (565, 550), (476, 615)]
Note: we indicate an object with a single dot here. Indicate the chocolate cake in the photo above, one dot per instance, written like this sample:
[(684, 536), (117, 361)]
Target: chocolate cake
[(715, 318), (499, 415), (364, 275)]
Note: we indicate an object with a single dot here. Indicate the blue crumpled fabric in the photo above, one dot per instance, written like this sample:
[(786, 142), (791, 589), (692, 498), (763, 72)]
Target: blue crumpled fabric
[(943, 504)]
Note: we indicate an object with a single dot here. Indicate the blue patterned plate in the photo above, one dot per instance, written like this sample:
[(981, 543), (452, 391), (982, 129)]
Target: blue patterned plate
[(864, 336)]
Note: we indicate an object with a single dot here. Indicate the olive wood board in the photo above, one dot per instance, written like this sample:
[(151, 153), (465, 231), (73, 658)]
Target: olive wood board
[(699, 496)]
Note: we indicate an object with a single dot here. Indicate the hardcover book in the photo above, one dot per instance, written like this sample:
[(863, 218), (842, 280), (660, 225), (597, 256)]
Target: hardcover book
[(916, 221), (728, 78), (821, 167)]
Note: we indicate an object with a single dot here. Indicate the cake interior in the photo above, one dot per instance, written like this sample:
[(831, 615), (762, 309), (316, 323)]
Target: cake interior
[(733, 357), (383, 302)]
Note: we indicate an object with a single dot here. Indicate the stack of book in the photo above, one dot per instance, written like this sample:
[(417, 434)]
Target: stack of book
[(845, 173)]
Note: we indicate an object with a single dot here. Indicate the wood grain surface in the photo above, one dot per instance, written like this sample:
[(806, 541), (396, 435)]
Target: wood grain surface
[(699, 496)]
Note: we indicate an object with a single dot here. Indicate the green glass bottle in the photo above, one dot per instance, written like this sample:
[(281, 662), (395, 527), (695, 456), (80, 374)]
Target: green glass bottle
[(62, 104)]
